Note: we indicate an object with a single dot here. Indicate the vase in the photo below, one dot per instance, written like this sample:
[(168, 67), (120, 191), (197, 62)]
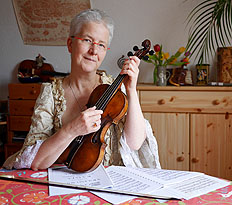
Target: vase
[(162, 75), (155, 76)]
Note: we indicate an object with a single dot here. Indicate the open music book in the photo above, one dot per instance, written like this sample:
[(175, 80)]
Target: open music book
[(161, 182), (170, 183), (98, 178)]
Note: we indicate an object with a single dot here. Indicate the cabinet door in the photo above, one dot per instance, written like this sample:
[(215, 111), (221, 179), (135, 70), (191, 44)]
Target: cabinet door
[(172, 133), (11, 148), (19, 123), (21, 107), (211, 144)]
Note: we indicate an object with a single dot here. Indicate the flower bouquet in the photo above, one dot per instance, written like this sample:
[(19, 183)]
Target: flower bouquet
[(159, 58)]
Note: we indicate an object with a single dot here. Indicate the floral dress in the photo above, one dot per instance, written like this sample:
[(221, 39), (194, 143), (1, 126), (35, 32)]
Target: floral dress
[(47, 119)]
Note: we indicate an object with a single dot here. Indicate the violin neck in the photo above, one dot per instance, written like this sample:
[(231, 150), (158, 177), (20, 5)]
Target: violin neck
[(117, 82), (109, 92)]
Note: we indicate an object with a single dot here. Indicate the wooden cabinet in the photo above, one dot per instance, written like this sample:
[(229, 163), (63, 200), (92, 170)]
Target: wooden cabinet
[(193, 127), (22, 99), (3, 128), (211, 143)]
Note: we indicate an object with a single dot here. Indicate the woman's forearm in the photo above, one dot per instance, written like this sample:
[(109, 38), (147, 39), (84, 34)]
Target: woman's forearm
[(50, 150), (134, 130)]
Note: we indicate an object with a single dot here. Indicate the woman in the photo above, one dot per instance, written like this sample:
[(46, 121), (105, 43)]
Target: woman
[(60, 113)]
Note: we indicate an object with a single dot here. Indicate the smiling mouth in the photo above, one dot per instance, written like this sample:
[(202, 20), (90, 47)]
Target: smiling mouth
[(90, 59)]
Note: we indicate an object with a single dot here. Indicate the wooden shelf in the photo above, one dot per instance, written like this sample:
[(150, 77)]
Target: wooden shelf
[(3, 123)]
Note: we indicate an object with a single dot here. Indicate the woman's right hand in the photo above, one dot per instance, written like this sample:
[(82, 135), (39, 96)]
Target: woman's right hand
[(87, 122)]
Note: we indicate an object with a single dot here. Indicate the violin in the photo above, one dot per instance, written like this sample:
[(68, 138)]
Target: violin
[(85, 153), (38, 68)]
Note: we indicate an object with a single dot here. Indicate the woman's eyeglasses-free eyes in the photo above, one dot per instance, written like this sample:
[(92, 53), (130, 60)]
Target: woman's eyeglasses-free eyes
[(89, 42)]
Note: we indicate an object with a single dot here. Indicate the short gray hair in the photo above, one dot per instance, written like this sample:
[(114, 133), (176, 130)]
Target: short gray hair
[(91, 15)]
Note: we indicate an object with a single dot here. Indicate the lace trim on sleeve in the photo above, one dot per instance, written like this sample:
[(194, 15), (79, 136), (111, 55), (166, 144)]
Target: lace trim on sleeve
[(59, 102), (105, 78), (28, 156)]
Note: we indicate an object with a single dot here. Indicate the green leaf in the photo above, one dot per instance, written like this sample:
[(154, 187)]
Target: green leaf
[(211, 27), (178, 63), (153, 57)]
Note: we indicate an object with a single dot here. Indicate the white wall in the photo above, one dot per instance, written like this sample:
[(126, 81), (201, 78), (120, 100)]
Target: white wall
[(161, 21)]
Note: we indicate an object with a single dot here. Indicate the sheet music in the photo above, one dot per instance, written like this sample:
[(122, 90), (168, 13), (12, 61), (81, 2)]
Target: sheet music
[(127, 181), (160, 182), (97, 178), (169, 183), (197, 186), (165, 176)]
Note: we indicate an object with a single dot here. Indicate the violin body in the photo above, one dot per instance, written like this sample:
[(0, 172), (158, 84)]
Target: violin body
[(85, 153), (91, 149), (93, 144)]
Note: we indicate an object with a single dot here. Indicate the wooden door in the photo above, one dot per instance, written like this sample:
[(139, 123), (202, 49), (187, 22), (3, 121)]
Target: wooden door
[(211, 144), (172, 133)]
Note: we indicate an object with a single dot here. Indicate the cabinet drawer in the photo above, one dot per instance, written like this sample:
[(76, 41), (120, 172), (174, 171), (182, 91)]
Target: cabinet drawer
[(186, 101), (19, 123), (11, 148), (24, 91), (21, 107)]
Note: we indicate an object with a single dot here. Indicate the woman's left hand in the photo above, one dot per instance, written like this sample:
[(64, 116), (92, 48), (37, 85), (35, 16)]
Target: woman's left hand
[(131, 68)]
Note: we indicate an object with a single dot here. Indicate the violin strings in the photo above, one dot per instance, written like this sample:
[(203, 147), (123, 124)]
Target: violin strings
[(112, 92), (103, 100), (106, 95), (112, 89), (109, 91)]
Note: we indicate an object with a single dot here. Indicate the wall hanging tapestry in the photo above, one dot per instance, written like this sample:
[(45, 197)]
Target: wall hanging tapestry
[(46, 22)]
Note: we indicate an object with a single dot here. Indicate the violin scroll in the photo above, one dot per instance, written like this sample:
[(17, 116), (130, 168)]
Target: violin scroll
[(140, 53)]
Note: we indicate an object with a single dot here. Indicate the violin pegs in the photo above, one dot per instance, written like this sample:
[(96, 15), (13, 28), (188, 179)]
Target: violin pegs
[(146, 58), (135, 48), (141, 52), (130, 54)]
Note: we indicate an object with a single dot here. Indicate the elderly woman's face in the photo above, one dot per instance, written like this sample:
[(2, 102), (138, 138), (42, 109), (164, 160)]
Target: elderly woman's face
[(88, 48)]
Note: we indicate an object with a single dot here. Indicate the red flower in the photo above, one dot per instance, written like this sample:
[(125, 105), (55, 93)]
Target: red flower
[(157, 48), (185, 60)]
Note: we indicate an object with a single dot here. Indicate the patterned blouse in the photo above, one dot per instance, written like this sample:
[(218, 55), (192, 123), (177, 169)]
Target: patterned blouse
[(47, 119)]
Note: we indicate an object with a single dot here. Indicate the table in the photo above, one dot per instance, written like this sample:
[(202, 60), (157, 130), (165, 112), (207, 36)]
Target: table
[(28, 193)]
